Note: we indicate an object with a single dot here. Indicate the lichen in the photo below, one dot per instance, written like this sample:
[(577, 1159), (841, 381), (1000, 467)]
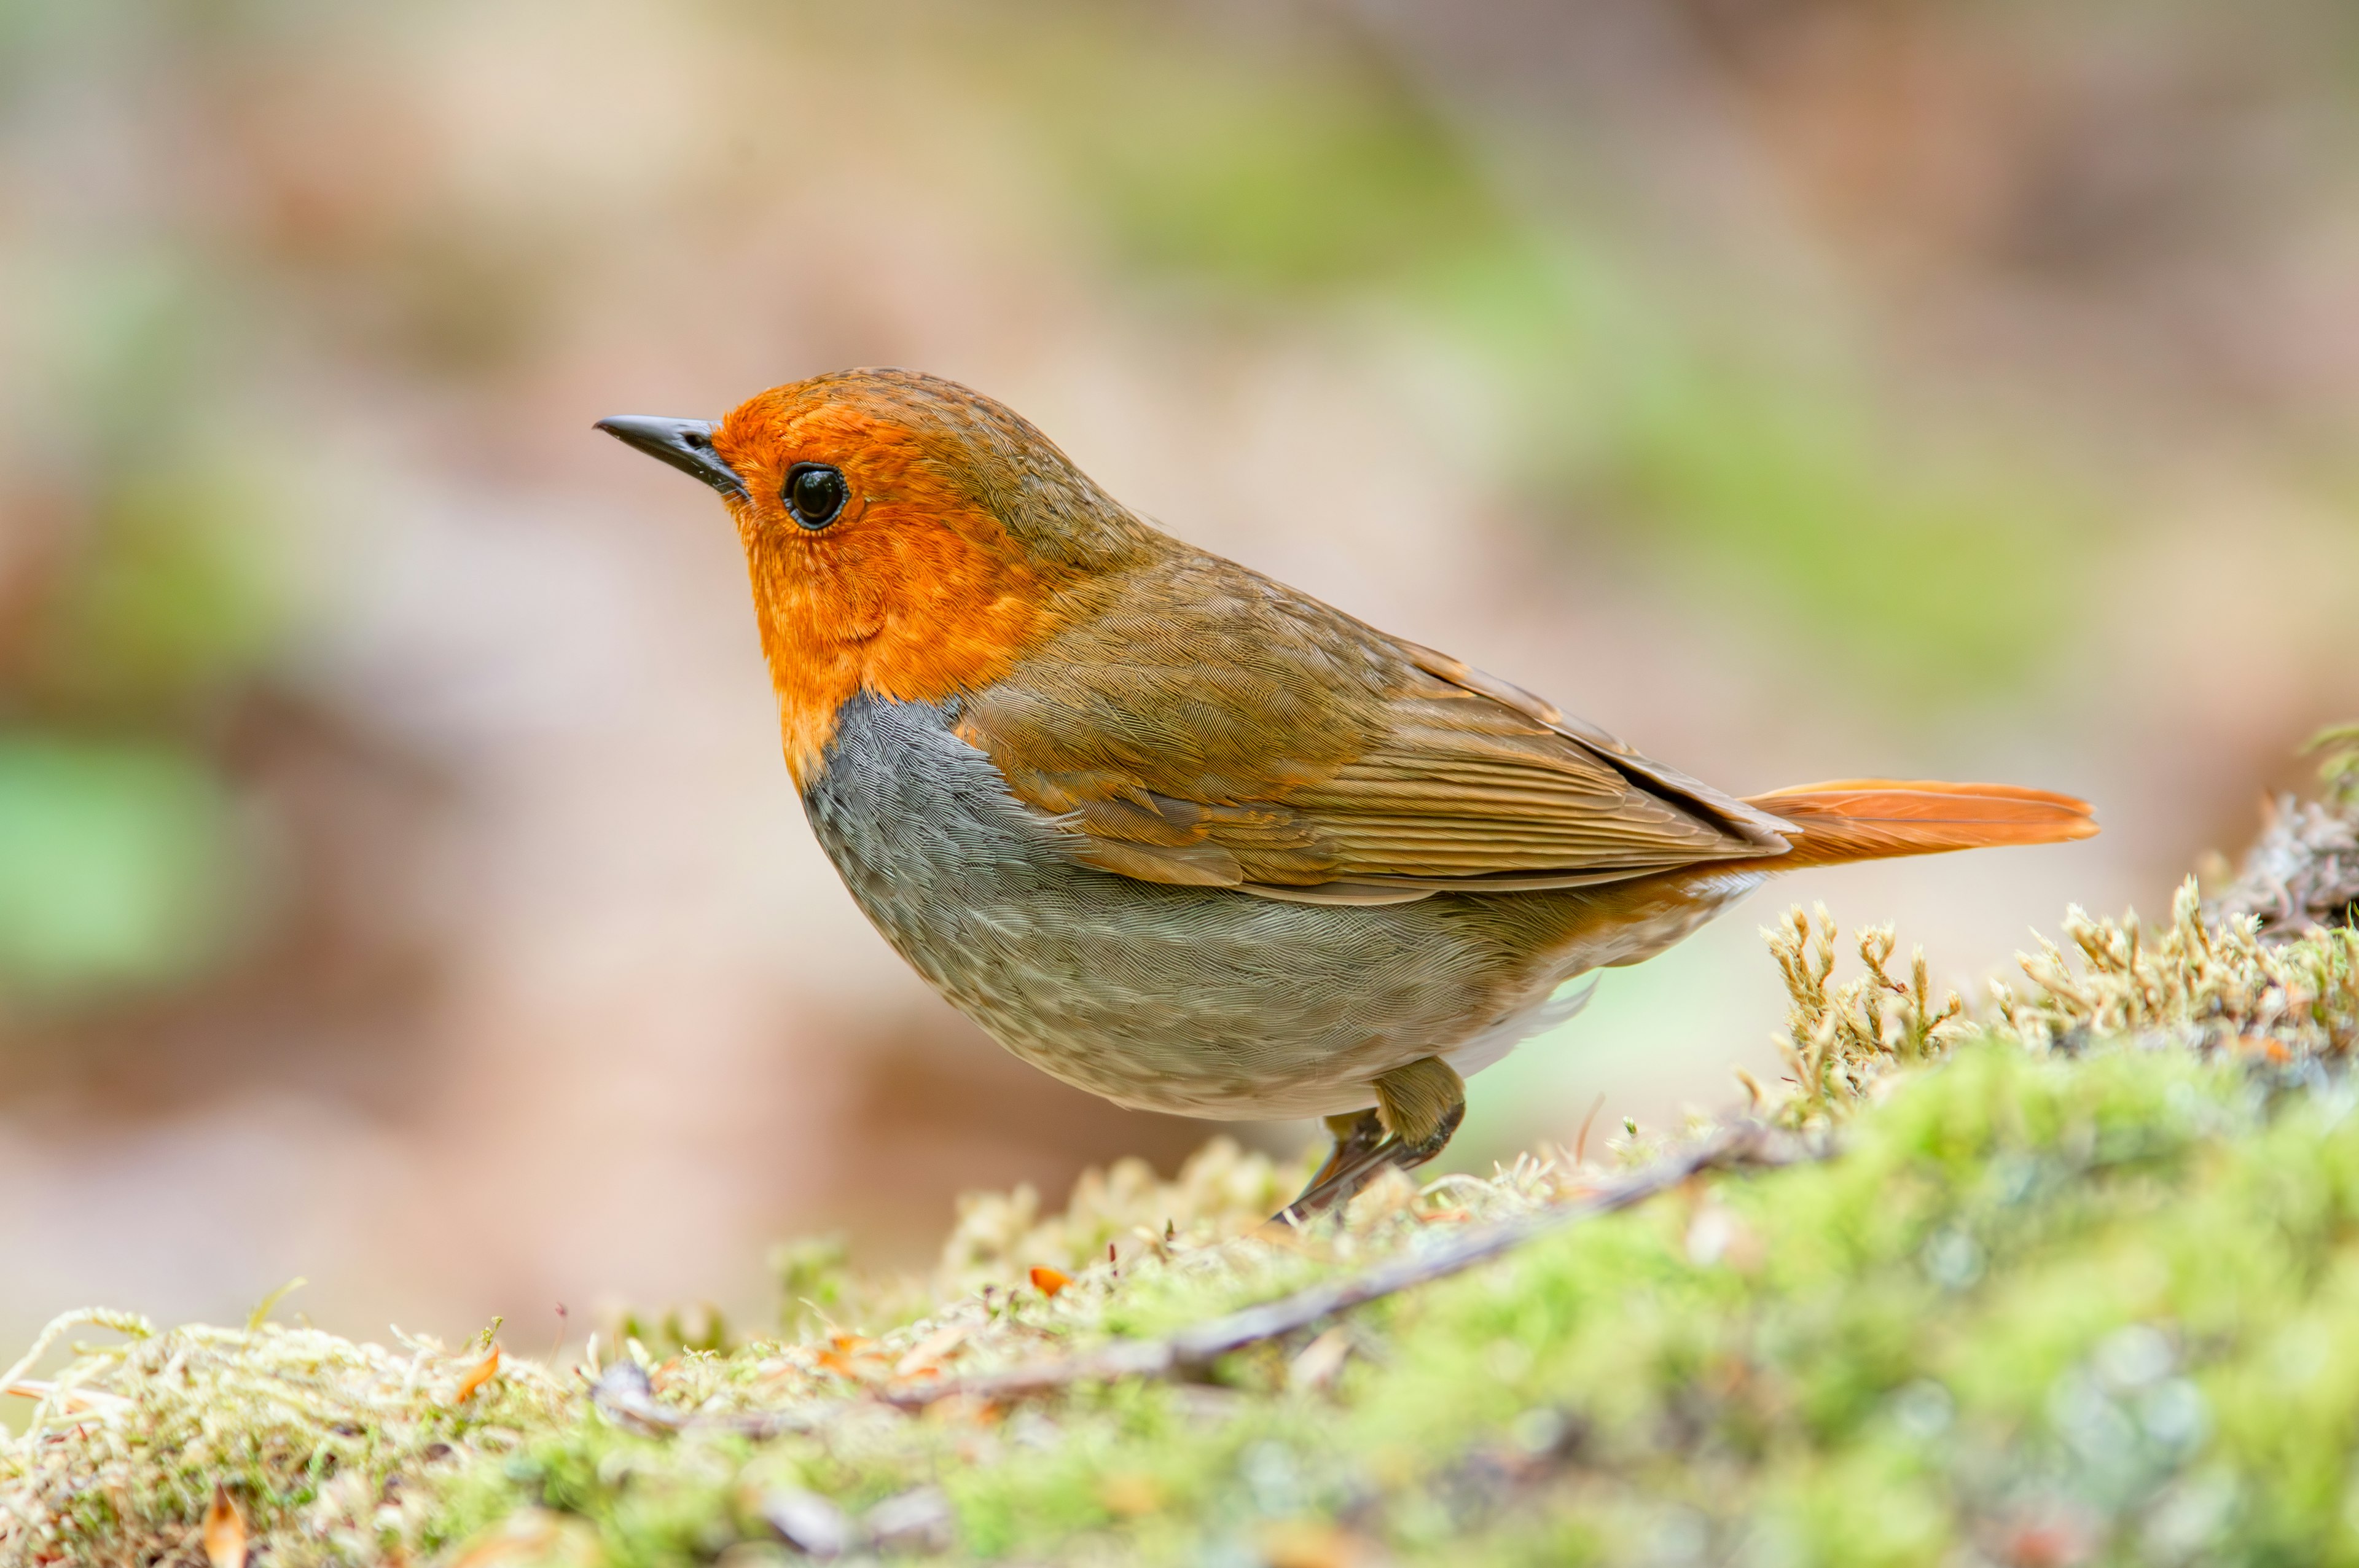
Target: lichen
[(2203, 982), (2302, 872)]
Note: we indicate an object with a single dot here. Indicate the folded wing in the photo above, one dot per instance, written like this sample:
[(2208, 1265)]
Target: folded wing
[(1219, 730)]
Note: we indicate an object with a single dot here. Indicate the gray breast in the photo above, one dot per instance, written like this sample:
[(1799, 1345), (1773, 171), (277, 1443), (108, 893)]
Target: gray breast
[(1197, 1001)]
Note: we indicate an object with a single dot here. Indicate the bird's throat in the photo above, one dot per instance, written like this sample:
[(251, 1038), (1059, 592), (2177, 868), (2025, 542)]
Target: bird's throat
[(912, 630)]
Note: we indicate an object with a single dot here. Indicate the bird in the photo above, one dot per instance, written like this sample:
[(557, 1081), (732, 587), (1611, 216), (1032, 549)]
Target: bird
[(1188, 839)]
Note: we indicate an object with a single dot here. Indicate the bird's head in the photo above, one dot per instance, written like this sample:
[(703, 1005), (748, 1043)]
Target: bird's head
[(904, 535)]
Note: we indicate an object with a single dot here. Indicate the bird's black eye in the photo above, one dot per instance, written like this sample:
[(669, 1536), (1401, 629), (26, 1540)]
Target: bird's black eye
[(815, 493)]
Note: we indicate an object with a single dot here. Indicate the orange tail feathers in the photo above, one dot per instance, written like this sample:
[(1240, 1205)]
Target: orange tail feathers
[(1874, 819)]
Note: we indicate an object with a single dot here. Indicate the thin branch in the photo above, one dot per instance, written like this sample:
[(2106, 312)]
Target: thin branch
[(1196, 1347), (625, 1396)]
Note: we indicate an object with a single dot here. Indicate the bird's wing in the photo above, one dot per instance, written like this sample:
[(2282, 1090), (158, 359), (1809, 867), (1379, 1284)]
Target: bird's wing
[(1208, 726)]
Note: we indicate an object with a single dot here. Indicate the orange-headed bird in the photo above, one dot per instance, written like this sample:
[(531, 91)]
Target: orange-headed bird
[(1186, 837)]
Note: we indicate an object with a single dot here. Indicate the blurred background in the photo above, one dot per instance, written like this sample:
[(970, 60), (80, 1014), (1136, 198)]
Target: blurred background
[(400, 884)]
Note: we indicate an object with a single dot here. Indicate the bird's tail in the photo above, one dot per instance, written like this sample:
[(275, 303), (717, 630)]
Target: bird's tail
[(1874, 819)]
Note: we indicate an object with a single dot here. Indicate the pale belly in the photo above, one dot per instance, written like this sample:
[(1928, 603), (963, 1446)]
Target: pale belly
[(1199, 1002)]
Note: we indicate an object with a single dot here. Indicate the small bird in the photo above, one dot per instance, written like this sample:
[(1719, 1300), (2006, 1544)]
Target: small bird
[(1187, 838)]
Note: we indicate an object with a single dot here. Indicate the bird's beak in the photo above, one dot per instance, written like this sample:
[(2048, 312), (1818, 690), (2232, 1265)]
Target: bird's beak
[(685, 444)]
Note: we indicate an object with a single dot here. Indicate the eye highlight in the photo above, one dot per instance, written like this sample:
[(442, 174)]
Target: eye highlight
[(815, 494)]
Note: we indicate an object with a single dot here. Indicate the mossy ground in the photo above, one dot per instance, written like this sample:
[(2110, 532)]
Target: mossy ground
[(2056, 1309), (2077, 1283)]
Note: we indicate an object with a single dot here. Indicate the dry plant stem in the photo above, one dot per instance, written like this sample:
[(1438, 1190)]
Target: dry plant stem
[(58, 1396), (123, 1323), (1194, 1348), (625, 1396)]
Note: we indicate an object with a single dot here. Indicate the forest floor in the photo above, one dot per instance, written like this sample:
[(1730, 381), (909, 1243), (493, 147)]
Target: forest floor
[(2070, 1276)]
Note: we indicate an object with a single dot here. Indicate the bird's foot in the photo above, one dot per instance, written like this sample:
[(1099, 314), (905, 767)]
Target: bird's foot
[(1359, 1154), (1418, 1108)]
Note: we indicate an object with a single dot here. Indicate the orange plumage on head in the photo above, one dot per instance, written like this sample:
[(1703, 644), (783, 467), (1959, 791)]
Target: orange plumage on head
[(914, 592)]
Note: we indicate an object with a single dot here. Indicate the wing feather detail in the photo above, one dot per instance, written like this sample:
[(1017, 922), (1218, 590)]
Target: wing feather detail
[(1234, 733)]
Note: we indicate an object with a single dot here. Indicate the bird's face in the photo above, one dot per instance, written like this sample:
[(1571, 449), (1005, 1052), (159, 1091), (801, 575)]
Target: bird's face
[(872, 522)]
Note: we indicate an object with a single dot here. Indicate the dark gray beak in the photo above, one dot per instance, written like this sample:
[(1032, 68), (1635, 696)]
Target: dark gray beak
[(685, 444)]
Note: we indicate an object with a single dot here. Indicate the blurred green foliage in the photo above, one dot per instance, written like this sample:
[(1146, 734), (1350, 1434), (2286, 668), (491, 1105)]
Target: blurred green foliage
[(2338, 773), (1936, 577), (812, 1273), (1636, 406), (122, 864), (127, 861), (1288, 175), (174, 596)]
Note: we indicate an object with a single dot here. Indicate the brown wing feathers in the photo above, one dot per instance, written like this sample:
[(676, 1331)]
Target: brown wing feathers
[(1242, 735), (1226, 732), (1464, 787)]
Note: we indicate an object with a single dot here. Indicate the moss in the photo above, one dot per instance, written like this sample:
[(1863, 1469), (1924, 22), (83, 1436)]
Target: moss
[(2107, 1295), (332, 1449), (2078, 1283)]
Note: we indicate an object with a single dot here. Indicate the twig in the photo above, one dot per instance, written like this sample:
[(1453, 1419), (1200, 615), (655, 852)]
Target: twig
[(1745, 1143), (625, 1397)]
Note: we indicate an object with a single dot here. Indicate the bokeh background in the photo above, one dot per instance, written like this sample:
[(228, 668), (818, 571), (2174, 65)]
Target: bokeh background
[(400, 885)]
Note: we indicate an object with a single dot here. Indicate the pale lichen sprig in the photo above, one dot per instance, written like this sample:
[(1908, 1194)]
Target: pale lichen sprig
[(1839, 1039), (2205, 981)]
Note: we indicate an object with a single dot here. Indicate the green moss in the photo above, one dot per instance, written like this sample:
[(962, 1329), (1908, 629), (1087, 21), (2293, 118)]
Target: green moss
[(2089, 1295), (2111, 1295), (328, 1448)]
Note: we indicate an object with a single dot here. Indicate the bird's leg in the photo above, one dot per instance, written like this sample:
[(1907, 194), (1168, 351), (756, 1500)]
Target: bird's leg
[(1423, 1105), (1418, 1108)]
